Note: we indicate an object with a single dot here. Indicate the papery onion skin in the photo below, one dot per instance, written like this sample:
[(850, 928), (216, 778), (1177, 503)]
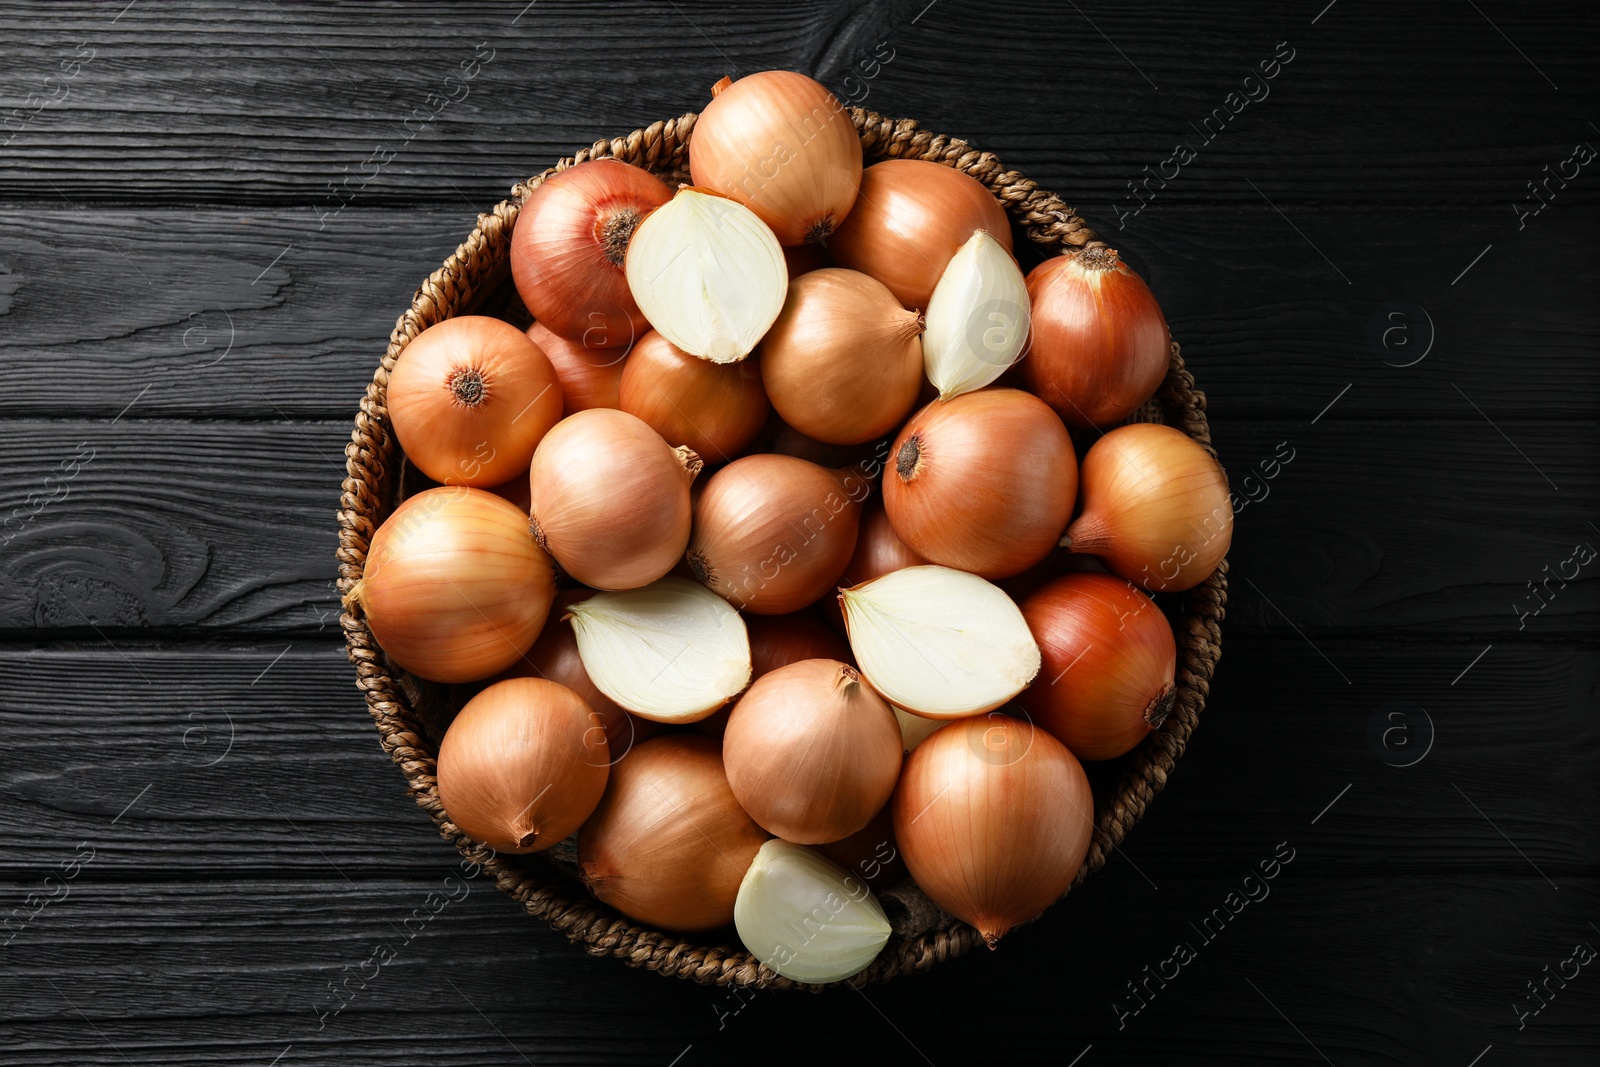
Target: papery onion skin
[(610, 499), (470, 399), (590, 377), (843, 362), (569, 245), (716, 409), (455, 588), (994, 817), (879, 549), (554, 657), (1109, 659), (912, 216), (983, 482), (1155, 507), (777, 641), (812, 753), (781, 144), (806, 918), (669, 844), (1100, 345), (522, 765), (870, 853), (773, 534)]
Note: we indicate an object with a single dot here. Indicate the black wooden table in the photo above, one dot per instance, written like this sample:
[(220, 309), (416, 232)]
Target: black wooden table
[(1373, 227)]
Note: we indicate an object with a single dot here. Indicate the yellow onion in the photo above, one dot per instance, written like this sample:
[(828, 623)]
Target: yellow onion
[(879, 549), (772, 534), (716, 409), (470, 399), (777, 641), (983, 482), (522, 765), (870, 853), (610, 499), (807, 918), (1108, 660), (843, 361), (939, 642), (1100, 344), (911, 218), (455, 588), (811, 753), (669, 844), (1155, 507), (569, 246), (994, 818), (781, 144), (554, 657), (589, 377)]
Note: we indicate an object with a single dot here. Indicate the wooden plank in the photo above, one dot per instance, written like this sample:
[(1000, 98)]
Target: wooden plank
[(1369, 969), (187, 104), (211, 526), (259, 315), (251, 758)]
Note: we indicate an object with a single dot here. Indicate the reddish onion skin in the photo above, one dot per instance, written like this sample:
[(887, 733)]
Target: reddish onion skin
[(982, 482), (782, 145), (994, 818), (802, 259), (470, 399), (879, 549), (1100, 345), (521, 767), (714, 408), (568, 247), (610, 499), (812, 752), (1109, 659), (455, 588), (589, 377), (669, 844), (554, 656), (843, 361), (773, 534), (911, 217), (777, 641)]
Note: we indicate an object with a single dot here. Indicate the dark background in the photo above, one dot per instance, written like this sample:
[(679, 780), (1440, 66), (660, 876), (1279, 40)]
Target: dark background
[(188, 318)]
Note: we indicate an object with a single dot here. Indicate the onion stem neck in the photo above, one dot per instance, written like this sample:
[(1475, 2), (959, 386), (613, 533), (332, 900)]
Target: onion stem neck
[(819, 232), (1098, 259), (1160, 707)]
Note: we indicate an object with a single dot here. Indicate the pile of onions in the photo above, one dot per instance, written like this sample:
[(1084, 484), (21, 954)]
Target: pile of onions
[(589, 377), (522, 765), (610, 499), (1155, 507), (984, 482), (910, 219), (782, 145), (456, 588), (1108, 662), (714, 409), (994, 818), (569, 246), (1100, 344), (812, 753), (470, 398), (669, 844), (772, 534), (843, 361)]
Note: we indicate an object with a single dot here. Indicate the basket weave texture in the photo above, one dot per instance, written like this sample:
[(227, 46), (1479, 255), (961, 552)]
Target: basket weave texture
[(406, 712)]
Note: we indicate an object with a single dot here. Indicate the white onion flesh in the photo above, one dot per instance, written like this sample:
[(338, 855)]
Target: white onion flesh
[(672, 651), (805, 917), (977, 320), (940, 642)]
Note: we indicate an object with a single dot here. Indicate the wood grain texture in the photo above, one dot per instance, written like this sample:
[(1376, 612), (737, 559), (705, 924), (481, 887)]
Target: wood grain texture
[(198, 737), (1390, 970), (259, 315), (186, 527), (269, 105)]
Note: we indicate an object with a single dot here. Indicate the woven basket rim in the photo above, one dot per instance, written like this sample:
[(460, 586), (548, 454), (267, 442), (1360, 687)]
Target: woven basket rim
[(372, 473)]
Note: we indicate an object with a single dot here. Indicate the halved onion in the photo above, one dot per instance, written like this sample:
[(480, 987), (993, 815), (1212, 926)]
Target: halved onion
[(806, 917)]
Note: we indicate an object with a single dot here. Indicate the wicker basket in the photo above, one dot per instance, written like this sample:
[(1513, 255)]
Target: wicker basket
[(411, 714)]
